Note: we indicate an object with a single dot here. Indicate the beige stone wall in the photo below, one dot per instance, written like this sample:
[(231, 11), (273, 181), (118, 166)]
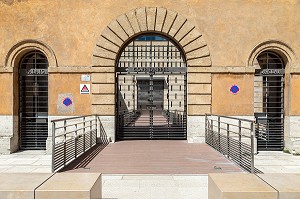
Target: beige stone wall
[(226, 103), (6, 96), (294, 97), (231, 28), (219, 38), (68, 84)]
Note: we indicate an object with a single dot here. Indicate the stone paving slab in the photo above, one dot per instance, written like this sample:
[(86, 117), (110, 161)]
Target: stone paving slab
[(277, 162), (287, 184), (30, 161), (154, 186)]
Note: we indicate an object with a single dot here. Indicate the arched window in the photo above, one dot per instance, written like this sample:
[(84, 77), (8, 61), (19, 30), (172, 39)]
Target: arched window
[(270, 60)]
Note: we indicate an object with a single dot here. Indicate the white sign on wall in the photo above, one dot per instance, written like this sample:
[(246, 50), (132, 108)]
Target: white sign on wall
[(85, 88), (85, 78)]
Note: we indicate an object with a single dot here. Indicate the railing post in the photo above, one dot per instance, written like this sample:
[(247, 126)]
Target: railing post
[(75, 140), (252, 148), (83, 134), (212, 133), (219, 134), (91, 132), (240, 140), (65, 140), (228, 147), (96, 132), (206, 129), (53, 146)]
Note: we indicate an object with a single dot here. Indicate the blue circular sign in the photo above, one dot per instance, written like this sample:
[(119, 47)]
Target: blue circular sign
[(234, 89), (67, 101)]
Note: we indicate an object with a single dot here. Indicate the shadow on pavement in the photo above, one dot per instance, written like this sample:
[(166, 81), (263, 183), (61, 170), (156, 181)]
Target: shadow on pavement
[(86, 158)]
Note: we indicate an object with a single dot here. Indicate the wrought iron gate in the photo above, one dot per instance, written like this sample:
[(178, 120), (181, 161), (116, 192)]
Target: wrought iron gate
[(269, 102), (33, 101), (151, 89)]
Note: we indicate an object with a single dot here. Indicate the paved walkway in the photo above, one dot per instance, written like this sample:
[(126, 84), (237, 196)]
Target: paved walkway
[(154, 186), (277, 162), (26, 162), (154, 157), (163, 169), (187, 159)]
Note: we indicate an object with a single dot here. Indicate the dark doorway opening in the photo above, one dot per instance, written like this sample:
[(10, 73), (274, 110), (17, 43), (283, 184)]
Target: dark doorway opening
[(269, 101), (151, 90), (33, 101)]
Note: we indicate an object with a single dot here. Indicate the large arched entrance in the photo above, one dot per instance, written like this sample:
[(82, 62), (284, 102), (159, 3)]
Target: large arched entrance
[(151, 90), (33, 100), (269, 101), (148, 20)]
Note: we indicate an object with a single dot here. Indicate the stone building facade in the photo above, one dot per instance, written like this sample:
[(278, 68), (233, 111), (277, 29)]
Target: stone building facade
[(225, 45)]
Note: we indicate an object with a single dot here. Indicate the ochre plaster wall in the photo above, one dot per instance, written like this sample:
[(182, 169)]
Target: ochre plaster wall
[(6, 94), (71, 28), (226, 103), (68, 83), (295, 95)]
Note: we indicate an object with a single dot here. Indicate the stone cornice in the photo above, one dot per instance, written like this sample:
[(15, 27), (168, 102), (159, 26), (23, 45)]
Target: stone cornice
[(213, 70)]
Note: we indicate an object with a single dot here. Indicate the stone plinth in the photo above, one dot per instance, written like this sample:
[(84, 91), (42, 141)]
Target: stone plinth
[(20, 186), (237, 186), (71, 186)]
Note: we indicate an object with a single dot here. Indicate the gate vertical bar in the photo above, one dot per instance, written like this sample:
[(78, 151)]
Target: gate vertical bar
[(151, 105)]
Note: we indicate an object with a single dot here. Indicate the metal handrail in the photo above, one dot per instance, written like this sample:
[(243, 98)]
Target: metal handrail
[(70, 118), (230, 117), (234, 138), (72, 138)]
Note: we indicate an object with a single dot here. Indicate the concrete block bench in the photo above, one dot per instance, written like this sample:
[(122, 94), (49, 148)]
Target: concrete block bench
[(20, 186), (71, 186), (288, 185), (237, 186)]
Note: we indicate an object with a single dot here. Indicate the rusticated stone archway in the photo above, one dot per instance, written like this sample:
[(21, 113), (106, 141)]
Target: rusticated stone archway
[(151, 20)]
